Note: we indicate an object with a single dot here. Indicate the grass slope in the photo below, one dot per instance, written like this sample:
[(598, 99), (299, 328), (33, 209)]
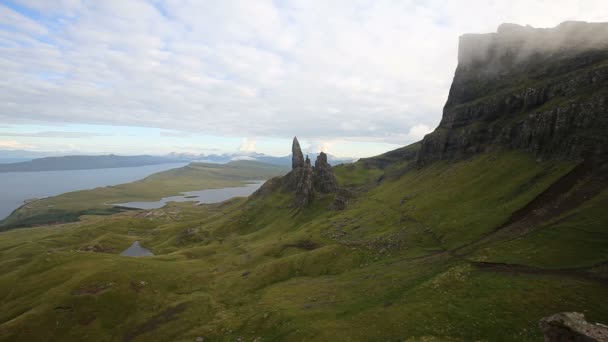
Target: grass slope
[(196, 176), (258, 269)]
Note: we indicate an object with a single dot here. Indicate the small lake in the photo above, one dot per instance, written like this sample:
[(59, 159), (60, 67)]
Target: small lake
[(16, 187), (136, 250), (201, 196)]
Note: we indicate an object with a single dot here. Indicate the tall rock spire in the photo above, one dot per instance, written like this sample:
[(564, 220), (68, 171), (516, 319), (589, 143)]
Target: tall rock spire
[(297, 158), (305, 179), (323, 177)]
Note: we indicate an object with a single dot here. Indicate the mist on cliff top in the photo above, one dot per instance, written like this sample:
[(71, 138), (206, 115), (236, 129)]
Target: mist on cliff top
[(523, 42)]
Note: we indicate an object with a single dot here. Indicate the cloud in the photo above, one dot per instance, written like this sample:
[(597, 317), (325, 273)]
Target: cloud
[(21, 23), (418, 132), (242, 158), (175, 134), (248, 68), (54, 134), (11, 144), (317, 146), (247, 145)]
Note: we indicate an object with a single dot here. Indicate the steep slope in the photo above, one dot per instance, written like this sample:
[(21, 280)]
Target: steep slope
[(474, 241)]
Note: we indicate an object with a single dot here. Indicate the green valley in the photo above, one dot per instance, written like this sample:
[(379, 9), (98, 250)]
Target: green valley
[(389, 266), (196, 176)]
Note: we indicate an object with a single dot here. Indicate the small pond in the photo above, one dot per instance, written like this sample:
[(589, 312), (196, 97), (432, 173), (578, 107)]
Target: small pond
[(136, 250), (201, 196)]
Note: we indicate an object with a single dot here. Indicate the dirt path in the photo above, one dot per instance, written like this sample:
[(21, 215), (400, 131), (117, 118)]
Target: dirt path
[(581, 273)]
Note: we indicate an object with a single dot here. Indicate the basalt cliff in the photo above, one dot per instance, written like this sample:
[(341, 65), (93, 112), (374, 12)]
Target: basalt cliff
[(544, 91)]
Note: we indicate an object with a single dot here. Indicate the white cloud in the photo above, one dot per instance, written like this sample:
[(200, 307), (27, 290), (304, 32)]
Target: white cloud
[(20, 23), (326, 146), (175, 134), (242, 158), (247, 145), (418, 132), (11, 144), (54, 134), (358, 70)]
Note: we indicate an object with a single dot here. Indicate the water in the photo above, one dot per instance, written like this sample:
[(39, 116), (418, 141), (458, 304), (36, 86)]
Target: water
[(136, 250), (16, 187), (201, 196)]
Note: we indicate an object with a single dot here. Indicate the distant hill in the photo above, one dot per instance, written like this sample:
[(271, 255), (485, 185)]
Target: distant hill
[(228, 157), (15, 156), (85, 162), (24, 161)]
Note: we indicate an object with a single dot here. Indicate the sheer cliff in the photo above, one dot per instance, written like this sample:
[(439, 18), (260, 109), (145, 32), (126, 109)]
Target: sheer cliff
[(544, 91)]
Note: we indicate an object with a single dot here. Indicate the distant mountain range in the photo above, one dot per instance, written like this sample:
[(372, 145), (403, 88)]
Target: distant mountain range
[(15, 156), (84, 163), (28, 161), (227, 157)]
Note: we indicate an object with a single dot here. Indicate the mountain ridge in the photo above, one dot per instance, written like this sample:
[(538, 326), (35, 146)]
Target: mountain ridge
[(83, 162)]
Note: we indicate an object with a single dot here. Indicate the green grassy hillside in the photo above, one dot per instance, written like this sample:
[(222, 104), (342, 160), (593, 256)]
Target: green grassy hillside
[(442, 253), (196, 176)]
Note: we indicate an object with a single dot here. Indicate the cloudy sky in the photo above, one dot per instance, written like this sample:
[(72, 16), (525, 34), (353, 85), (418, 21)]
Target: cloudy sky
[(353, 78)]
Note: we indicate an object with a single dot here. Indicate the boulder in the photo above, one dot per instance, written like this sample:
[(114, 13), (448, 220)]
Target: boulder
[(572, 327)]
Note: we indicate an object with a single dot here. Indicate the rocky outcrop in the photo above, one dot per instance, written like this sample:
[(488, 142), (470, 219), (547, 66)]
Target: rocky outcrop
[(572, 327), (304, 187), (323, 175), (300, 179), (544, 91), (303, 179), (297, 158), (343, 196)]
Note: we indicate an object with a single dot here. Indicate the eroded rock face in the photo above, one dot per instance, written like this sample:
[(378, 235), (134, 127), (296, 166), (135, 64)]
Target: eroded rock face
[(300, 179), (324, 178), (304, 188), (303, 179), (572, 327), (510, 91), (297, 158)]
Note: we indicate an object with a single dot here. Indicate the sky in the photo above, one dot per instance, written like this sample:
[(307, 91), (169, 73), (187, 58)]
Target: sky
[(353, 78)]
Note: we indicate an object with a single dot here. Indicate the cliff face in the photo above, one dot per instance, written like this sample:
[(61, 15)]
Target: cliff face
[(540, 90)]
